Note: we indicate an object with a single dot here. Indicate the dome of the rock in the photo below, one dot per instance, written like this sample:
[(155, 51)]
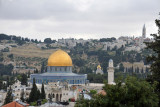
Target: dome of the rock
[(59, 58)]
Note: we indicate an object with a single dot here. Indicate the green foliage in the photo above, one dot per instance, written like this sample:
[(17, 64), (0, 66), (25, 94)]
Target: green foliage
[(121, 67), (24, 80), (85, 70), (79, 62), (155, 59), (134, 93), (44, 101), (33, 103), (10, 56), (49, 41), (9, 97), (6, 69), (34, 94), (107, 39), (97, 78), (93, 92), (2, 85), (42, 67), (5, 49), (43, 95)]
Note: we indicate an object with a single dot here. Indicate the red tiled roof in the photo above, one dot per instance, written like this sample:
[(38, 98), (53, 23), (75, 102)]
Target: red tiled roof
[(102, 92), (14, 104)]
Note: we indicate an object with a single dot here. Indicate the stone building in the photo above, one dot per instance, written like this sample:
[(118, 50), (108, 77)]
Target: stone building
[(99, 70)]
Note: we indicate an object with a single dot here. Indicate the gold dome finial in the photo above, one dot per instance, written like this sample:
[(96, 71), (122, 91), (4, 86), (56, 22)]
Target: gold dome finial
[(98, 67)]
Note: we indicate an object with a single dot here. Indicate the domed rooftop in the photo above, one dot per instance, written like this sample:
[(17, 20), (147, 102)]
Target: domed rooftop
[(59, 58), (110, 60), (98, 67)]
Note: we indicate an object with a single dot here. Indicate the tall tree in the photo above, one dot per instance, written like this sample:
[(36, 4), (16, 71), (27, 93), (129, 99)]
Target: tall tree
[(155, 59), (33, 94), (43, 95), (42, 67), (24, 80), (121, 67), (9, 97)]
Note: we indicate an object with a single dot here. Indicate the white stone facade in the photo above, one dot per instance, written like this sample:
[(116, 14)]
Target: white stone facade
[(110, 72)]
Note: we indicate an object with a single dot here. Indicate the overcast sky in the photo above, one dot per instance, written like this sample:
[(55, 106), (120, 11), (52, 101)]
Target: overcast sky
[(78, 18)]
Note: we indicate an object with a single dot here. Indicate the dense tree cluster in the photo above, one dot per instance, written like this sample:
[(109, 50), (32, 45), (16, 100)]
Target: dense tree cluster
[(35, 94), (107, 39), (18, 40), (6, 69), (134, 93), (97, 78), (49, 41), (79, 62)]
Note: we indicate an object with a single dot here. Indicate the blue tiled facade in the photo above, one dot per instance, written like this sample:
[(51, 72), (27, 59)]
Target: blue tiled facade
[(63, 73)]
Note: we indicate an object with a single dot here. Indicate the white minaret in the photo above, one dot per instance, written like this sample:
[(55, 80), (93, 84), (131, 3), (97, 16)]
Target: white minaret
[(144, 32), (110, 72)]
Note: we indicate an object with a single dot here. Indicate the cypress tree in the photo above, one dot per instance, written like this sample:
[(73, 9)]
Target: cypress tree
[(9, 97), (155, 59), (43, 95), (33, 94), (24, 80), (38, 94), (42, 67)]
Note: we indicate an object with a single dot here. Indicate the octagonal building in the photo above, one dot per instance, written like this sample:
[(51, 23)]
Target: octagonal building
[(59, 68)]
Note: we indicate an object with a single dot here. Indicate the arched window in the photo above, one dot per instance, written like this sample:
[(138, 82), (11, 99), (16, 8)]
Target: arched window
[(53, 96), (57, 97)]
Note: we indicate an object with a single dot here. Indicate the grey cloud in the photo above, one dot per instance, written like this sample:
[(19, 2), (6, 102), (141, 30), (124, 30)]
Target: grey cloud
[(79, 16)]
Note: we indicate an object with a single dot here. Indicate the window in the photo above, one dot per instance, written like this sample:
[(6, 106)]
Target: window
[(50, 69), (65, 69)]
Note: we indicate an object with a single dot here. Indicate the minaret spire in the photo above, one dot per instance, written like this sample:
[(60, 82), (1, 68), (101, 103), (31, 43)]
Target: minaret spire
[(110, 72)]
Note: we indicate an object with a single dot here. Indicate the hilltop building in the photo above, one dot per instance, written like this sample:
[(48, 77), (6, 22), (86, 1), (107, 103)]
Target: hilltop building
[(110, 72), (59, 69), (144, 32), (99, 70)]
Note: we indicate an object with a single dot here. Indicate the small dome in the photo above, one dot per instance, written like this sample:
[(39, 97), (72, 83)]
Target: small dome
[(98, 67), (59, 58), (110, 60)]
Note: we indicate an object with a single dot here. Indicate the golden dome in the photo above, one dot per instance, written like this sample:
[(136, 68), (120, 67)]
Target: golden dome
[(98, 67), (59, 58)]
